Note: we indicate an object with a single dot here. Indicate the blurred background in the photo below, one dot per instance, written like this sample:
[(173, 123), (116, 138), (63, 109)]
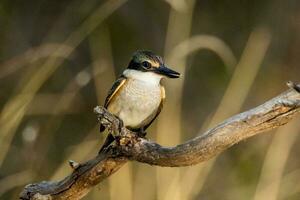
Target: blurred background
[(58, 59)]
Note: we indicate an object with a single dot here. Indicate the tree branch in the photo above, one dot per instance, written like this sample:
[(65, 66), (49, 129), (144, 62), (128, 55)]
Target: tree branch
[(128, 146)]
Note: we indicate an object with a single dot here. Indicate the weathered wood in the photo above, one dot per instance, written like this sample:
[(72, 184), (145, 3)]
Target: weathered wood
[(128, 146)]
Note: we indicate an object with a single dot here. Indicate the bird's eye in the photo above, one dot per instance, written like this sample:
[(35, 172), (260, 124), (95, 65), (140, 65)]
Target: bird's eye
[(146, 65)]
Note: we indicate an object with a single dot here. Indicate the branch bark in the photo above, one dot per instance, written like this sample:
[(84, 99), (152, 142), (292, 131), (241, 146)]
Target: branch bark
[(128, 146)]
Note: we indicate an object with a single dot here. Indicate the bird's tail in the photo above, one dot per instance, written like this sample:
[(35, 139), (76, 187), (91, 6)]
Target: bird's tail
[(102, 128)]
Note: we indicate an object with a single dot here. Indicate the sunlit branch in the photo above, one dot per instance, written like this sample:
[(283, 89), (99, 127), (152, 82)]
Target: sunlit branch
[(128, 146)]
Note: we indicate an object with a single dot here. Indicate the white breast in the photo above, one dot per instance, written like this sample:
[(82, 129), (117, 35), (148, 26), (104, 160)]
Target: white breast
[(138, 99)]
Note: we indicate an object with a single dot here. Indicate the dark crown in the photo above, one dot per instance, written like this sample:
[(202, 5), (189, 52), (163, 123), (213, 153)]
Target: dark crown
[(141, 57)]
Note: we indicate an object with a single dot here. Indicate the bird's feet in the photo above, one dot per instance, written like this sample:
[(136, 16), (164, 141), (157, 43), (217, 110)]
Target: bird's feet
[(142, 133), (120, 124)]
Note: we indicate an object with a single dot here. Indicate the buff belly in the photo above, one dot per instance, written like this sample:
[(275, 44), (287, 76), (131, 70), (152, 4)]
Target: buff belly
[(136, 103)]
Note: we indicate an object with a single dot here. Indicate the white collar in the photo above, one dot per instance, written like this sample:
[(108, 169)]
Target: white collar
[(148, 77)]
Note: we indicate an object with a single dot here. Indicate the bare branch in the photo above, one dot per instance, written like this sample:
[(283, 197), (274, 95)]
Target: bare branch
[(128, 146)]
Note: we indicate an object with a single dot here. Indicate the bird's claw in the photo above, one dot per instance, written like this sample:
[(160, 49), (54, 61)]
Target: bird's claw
[(142, 133)]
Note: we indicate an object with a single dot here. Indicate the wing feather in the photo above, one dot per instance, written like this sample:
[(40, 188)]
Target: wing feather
[(114, 90)]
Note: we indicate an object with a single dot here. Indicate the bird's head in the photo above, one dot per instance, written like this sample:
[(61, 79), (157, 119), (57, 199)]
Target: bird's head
[(146, 61)]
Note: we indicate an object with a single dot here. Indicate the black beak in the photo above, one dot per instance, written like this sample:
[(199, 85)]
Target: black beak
[(163, 70)]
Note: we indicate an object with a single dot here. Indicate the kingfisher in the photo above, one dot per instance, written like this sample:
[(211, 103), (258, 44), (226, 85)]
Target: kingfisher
[(137, 96)]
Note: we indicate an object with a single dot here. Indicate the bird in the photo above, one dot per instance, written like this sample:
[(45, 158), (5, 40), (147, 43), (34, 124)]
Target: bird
[(137, 96)]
